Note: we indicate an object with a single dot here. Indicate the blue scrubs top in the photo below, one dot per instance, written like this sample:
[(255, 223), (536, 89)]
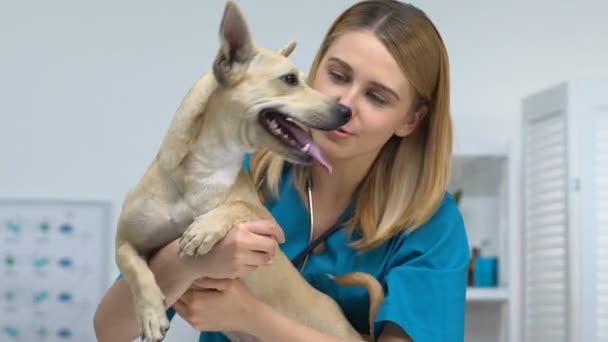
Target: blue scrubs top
[(424, 273)]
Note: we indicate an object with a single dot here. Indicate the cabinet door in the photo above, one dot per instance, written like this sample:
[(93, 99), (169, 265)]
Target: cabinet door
[(601, 215), (545, 218), (597, 213), (588, 215)]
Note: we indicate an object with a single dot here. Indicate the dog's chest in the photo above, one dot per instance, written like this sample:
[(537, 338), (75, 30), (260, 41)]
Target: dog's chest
[(212, 174), (207, 190), (220, 178)]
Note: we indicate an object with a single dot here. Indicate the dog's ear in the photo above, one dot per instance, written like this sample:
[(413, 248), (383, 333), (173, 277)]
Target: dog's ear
[(236, 44), (288, 49)]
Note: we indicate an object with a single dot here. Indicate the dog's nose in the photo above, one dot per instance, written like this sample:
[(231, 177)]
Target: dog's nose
[(344, 112)]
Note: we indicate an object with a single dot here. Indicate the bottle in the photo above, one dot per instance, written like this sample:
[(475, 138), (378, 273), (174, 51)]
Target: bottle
[(476, 251)]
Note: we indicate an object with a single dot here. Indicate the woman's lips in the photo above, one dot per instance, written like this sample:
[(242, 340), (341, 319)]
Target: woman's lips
[(339, 133)]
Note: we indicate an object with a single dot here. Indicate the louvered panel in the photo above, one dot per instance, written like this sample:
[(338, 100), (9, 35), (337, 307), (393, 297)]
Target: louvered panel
[(548, 242), (546, 182), (545, 297), (546, 264), (540, 222), (546, 206), (547, 128), (601, 203), (545, 229)]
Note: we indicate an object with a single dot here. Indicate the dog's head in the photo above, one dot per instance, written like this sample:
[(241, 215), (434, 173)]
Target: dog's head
[(270, 102)]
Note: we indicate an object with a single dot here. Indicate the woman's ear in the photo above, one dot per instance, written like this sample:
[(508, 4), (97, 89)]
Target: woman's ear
[(412, 121)]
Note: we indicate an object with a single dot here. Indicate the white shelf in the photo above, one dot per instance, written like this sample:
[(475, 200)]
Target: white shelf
[(487, 294), (477, 150)]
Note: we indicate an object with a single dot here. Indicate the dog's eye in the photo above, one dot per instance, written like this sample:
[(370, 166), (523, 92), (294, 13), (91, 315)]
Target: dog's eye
[(290, 79)]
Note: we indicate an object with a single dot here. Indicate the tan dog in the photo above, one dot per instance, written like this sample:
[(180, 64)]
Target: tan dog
[(196, 187)]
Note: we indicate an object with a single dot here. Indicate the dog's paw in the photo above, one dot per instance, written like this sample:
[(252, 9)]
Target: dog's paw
[(153, 321), (199, 241)]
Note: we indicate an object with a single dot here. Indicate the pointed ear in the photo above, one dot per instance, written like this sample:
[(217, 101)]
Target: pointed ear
[(412, 121), (236, 44), (288, 49)]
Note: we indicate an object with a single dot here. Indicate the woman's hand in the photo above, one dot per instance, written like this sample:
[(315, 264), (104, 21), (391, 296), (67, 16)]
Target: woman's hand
[(247, 246), (227, 305), (218, 305)]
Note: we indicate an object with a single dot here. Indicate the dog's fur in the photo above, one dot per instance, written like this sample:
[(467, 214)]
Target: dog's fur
[(196, 187)]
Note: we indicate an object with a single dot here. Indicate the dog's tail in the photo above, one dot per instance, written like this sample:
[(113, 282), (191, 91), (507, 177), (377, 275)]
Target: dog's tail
[(374, 288)]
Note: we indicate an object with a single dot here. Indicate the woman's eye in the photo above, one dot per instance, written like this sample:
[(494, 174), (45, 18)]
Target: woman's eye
[(377, 99), (337, 77)]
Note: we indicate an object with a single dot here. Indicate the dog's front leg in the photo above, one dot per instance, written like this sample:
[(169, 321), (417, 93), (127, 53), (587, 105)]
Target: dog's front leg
[(212, 226), (148, 298)]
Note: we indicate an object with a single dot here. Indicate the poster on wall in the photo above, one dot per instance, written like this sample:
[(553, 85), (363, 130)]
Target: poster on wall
[(53, 263)]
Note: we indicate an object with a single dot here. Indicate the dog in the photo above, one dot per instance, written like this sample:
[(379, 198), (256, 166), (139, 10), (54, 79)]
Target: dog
[(196, 188)]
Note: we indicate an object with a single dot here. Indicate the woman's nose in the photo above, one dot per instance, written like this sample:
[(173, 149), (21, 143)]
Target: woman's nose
[(348, 100)]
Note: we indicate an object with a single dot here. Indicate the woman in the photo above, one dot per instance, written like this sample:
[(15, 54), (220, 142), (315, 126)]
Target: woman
[(385, 203)]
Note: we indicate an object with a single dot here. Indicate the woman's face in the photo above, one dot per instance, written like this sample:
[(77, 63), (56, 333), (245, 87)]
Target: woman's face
[(363, 75)]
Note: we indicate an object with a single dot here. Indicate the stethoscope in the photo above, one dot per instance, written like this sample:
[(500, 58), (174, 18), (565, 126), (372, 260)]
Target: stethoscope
[(304, 255)]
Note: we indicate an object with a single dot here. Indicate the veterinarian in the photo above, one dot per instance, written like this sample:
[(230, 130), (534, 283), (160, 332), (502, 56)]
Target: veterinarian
[(384, 209)]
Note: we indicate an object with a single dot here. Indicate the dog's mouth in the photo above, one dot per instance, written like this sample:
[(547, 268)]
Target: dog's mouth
[(292, 136)]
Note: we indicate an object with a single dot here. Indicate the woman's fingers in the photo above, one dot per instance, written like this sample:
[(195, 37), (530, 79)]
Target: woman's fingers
[(255, 259), (261, 243), (262, 237), (181, 307), (267, 228), (212, 284)]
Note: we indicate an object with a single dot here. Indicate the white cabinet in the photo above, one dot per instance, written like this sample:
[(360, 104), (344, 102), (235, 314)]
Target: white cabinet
[(565, 213), (485, 173)]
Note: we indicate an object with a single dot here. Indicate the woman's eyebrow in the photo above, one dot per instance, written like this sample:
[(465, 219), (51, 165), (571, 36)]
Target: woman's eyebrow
[(386, 89), (341, 62)]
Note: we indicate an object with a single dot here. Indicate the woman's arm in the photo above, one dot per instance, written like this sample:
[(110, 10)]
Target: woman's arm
[(247, 246), (270, 326), (115, 316), (228, 305)]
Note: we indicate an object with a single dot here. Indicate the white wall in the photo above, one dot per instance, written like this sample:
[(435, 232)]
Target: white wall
[(87, 88)]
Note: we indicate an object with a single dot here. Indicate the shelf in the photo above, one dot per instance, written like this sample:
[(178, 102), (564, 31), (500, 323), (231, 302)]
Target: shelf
[(479, 150), (487, 294)]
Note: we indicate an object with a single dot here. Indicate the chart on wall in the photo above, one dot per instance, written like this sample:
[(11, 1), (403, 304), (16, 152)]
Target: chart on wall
[(54, 257)]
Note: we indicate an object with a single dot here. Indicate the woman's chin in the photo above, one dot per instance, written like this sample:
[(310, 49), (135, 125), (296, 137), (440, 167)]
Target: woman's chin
[(331, 149), (333, 153)]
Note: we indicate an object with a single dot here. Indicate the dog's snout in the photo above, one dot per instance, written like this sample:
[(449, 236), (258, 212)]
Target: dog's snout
[(344, 112)]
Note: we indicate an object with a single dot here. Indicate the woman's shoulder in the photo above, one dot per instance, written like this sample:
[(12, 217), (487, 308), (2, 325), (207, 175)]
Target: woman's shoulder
[(446, 219), (447, 214), (427, 269), (441, 238)]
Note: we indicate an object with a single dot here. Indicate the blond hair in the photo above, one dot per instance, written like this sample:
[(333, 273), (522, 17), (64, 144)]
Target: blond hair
[(408, 180)]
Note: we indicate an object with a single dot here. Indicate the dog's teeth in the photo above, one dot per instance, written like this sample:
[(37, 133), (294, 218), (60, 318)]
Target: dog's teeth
[(273, 124), (306, 148)]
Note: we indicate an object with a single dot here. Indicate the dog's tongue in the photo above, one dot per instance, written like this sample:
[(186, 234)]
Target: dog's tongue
[(314, 151)]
